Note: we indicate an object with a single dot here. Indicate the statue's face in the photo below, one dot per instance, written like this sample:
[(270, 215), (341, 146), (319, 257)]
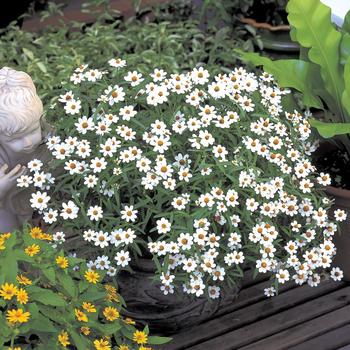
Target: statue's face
[(24, 142)]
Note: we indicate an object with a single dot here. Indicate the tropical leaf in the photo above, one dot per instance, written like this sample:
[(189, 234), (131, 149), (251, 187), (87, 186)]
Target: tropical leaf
[(344, 48), (293, 73), (313, 29), (328, 130), (346, 93)]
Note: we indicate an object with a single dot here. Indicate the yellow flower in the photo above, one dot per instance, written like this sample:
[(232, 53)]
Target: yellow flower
[(111, 293), (123, 347), (8, 290), (36, 232), (16, 348), (140, 337), (92, 276), (63, 338), (102, 344), (22, 296), (21, 279), (85, 330), (32, 250), (111, 313), (80, 316), (5, 236), (129, 320), (62, 262), (144, 348), (18, 315), (89, 307), (46, 237)]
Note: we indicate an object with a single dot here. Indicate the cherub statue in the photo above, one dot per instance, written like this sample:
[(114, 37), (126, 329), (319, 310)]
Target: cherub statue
[(21, 133)]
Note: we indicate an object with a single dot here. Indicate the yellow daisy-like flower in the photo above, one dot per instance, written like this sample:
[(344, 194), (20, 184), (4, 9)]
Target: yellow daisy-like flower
[(85, 330), (102, 344), (22, 296), (5, 236), (16, 348), (46, 237), (89, 307), (92, 276), (144, 348), (80, 315), (32, 250), (62, 262), (129, 320), (19, 315), (63, 338), (123, 347), (36, 232), (140, 337), (8, 290), (112, 294), (21, 279), (111, 313)]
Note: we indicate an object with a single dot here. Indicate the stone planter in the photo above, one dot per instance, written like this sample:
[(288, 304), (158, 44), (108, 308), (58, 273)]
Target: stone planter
[(170, 313)]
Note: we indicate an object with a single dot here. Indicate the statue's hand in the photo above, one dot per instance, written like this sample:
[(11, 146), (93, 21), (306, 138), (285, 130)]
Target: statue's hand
[(8, 178)]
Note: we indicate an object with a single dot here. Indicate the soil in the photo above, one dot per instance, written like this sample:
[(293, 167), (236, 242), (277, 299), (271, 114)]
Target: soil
[(337, 164)]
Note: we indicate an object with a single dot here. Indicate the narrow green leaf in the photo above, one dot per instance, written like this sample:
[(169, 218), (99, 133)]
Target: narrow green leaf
[(68, 284), (154, 340), (28, 53), (45, 296)]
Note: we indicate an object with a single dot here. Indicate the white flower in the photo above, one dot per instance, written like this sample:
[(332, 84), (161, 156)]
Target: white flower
[(163, 225), (129, 213), (89, 235), (117, 62), (214, 292), (24, 181), (95, 213), (39, 200), (59, 237), (90, 181), (101, 239), (72, 107), (98, 164), (50, 216), (122, 258), (340, 215), (282, 276), (127, 112), (270, 292), (134, 78), (35, 165), (69, 211), (337, 274)]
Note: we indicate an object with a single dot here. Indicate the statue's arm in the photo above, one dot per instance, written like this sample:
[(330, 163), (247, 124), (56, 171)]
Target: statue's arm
[(8, 179)]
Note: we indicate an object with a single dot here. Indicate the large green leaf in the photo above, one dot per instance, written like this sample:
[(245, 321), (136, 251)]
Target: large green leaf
[(346, 93), (293, 73), (313, 29), (328, 130)]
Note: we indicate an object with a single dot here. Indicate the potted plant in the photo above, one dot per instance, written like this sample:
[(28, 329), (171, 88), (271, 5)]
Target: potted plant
[(195, 171), (322, 76)]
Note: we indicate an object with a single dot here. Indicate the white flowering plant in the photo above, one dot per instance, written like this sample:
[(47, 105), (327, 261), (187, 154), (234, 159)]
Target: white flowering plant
[(206, 173)]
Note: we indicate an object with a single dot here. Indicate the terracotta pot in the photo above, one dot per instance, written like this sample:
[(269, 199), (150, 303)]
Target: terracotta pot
[(342, 238), (166, 314)]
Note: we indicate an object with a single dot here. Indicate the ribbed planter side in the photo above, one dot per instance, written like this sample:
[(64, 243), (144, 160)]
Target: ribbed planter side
[(170, 313)]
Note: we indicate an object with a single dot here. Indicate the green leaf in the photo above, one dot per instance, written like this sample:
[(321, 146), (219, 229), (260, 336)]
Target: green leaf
[(344, 48), (78, 340), (311, 21), (346, 93), (108, 329), (154, 340), (28, 53), (50, 274), (42, 67), (43, 324), (45, 296), (328, 130), (346, 24), (292, 73), (68, 284)]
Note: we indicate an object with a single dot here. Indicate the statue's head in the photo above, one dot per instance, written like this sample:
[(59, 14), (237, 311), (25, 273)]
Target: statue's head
[(20, 112)]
